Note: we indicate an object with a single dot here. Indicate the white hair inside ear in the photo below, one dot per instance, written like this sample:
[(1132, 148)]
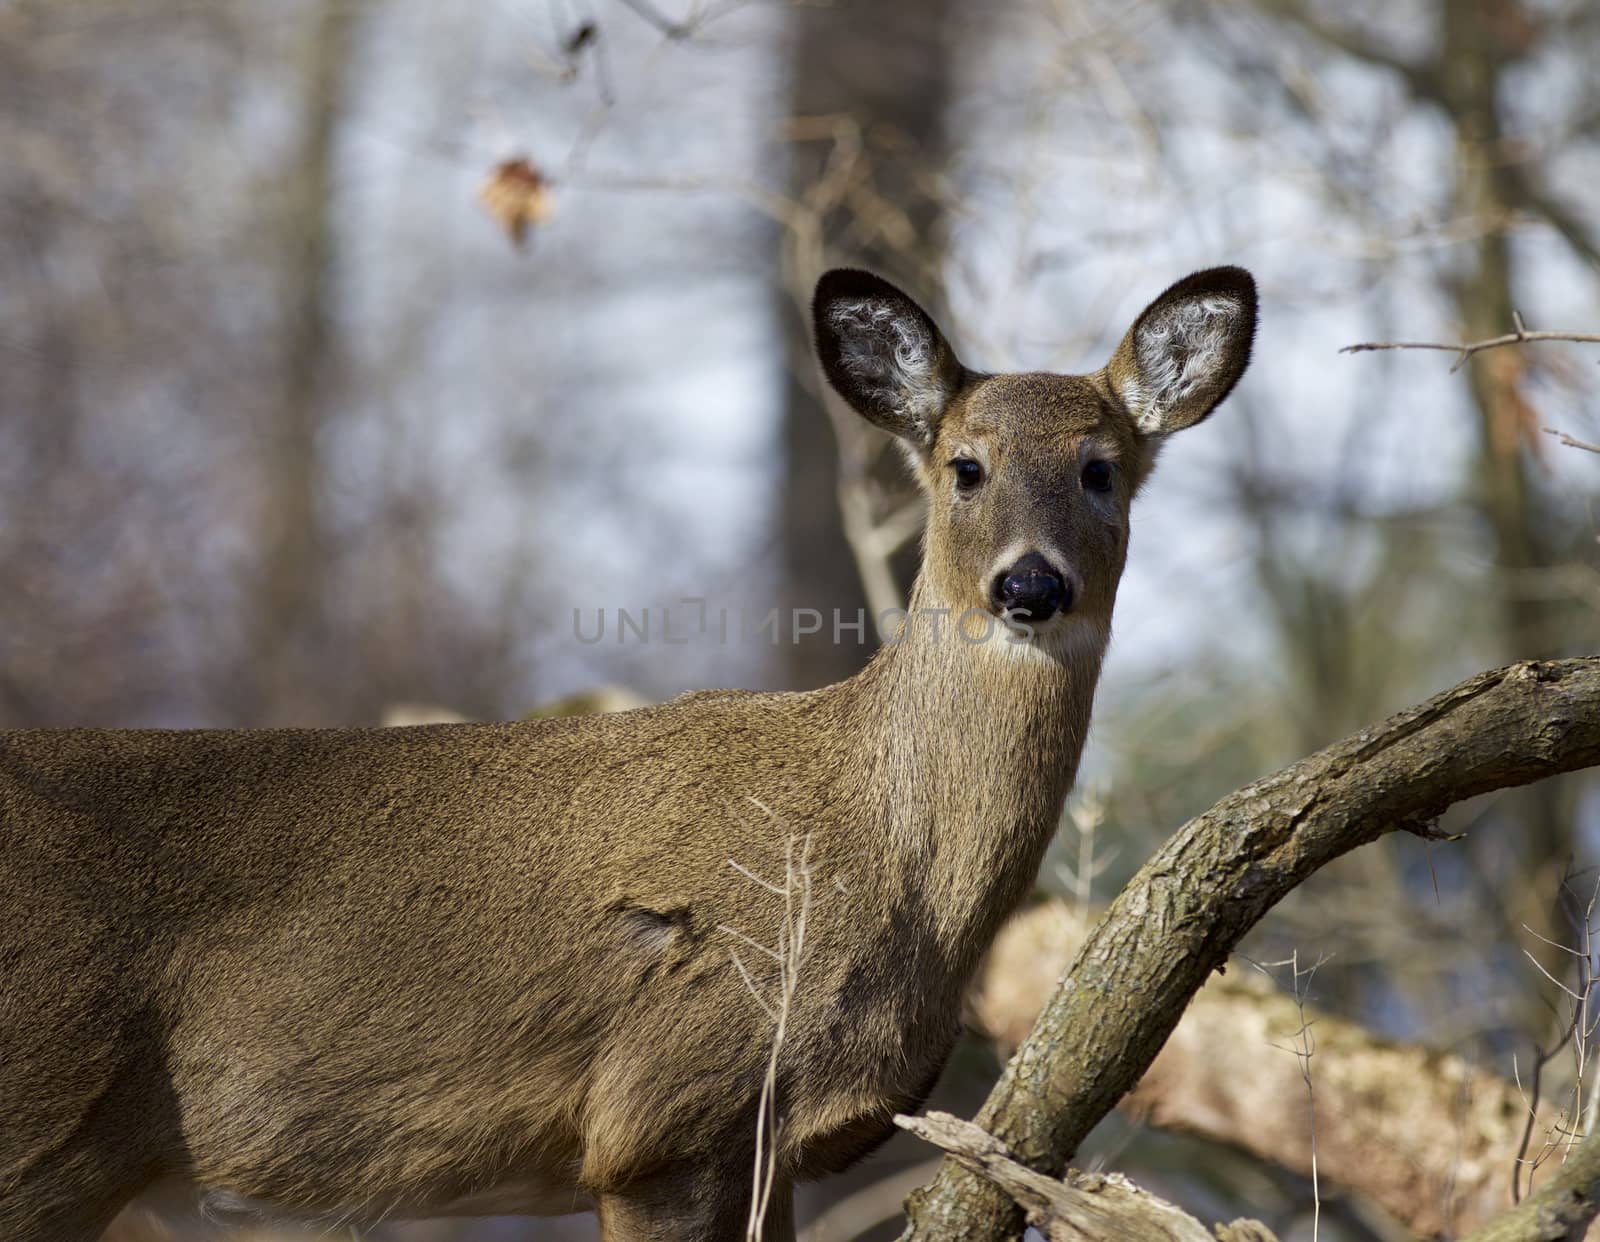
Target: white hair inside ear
[(892, 357), (1180, 350)]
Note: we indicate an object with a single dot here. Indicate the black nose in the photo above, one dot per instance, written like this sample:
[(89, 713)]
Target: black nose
[(1031, 587)]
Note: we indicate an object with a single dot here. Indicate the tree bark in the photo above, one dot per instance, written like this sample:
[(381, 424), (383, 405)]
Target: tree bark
[(1188, 907)]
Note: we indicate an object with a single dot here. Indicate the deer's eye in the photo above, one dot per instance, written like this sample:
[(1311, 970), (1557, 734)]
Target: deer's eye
[(1098, 476), (968, 473)]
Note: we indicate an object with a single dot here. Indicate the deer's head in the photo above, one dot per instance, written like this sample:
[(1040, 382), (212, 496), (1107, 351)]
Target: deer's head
[(1029, 477)]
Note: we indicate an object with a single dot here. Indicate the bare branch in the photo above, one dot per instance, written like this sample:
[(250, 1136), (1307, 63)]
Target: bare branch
[(1573, 1033), (1519, 337), (655, 17), (1569, 225), (1570, 441), (1086, 1207), (1187, 909)]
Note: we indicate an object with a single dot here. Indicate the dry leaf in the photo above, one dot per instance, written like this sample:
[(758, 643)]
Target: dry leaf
[(517, 196)]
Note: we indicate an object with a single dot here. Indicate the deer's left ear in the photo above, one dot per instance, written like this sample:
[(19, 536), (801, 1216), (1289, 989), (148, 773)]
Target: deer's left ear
[(1186, 351)]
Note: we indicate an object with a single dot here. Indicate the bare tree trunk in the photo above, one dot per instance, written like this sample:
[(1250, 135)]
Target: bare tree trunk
[(286, 613), (1463, 76), (1475, 48), (877, 73)]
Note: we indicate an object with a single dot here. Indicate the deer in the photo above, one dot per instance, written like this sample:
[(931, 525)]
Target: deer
[(339, 976)]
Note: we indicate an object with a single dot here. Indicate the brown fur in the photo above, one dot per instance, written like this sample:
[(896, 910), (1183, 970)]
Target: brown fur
[(349, 974)]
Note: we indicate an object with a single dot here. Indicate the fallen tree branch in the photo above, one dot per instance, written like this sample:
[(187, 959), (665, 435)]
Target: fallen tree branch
[(1424, 1134), (1521, 336), (1188, 907), (1085, 1207)]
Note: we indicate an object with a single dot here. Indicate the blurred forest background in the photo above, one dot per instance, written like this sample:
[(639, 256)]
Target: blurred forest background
[(348, 346)]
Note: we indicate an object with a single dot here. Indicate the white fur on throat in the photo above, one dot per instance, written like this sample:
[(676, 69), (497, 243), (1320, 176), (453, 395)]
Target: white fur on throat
[(1179, 351), (892, 355)]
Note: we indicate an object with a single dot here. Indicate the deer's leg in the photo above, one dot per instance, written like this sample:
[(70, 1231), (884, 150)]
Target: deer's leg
[(694, 1207)]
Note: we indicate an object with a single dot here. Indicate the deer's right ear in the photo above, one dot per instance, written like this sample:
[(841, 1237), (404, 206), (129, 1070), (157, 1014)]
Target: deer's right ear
[(884, 354)]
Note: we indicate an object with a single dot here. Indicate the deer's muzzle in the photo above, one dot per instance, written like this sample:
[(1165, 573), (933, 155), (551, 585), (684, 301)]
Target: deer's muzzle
[(1032, 588)]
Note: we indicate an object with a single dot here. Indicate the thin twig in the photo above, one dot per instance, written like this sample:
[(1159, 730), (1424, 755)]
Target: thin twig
[(658, 19), (1520, 336), (1303, 1049), (1570, 441), (1575, 1033), (750, 983), (796, 894), (1085, 816)]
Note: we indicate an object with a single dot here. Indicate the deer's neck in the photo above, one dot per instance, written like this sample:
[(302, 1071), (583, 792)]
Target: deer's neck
[(972, 749)]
